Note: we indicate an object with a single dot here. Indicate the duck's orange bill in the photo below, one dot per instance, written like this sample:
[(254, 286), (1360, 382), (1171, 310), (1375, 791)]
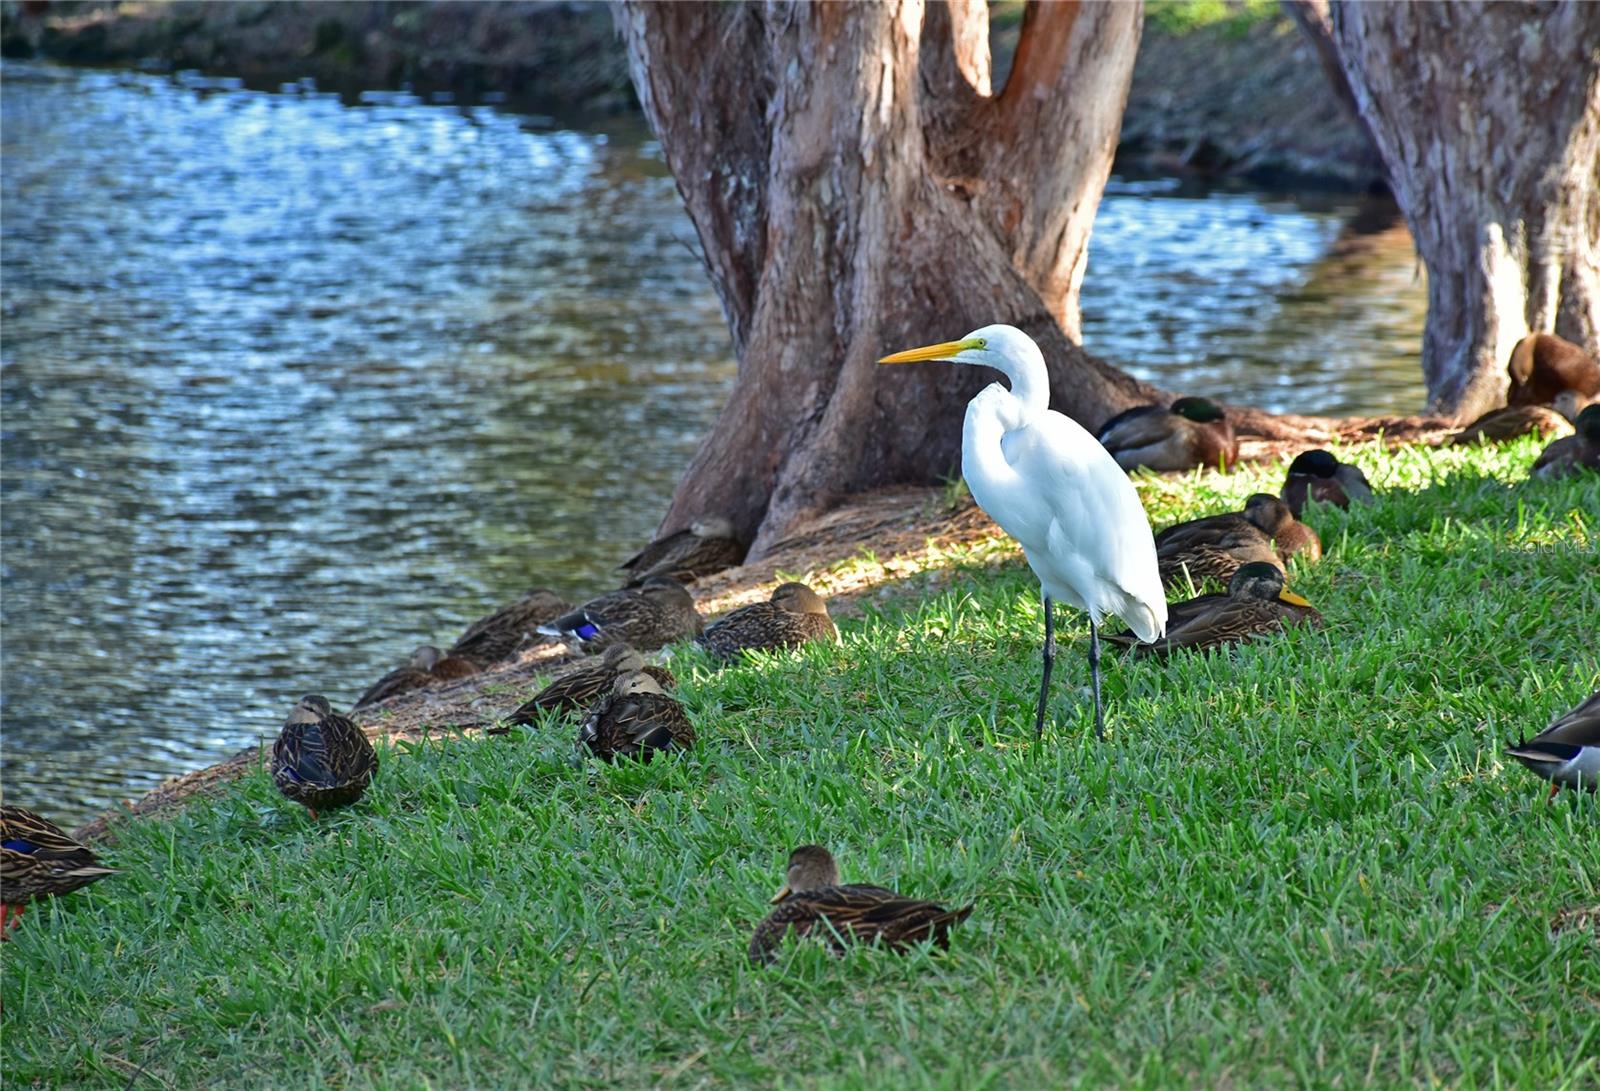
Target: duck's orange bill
[(944, 350), (1290, 597), (780, 895)]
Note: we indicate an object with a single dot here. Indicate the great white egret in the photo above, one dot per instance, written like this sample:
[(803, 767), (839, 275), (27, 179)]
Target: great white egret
[(1057, 492)]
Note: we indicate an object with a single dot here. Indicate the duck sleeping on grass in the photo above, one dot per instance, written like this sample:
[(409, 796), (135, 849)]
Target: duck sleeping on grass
[(428, 666), (637, 720), (708, 546), (793, 615), (322, 759), (1567, 753), (814, 903), (1317, 475), (499, 635), (1543, 365), (38, 860), (658, 612), (1192, 432), (1513, 422), (582, 687), (1256, 603), (1573, 454)]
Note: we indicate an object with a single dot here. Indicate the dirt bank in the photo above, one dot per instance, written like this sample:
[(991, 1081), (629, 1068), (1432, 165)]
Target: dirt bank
[(1239, 96)]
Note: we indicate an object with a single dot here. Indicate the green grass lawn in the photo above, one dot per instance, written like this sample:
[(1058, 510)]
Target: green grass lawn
[(1300, 863)]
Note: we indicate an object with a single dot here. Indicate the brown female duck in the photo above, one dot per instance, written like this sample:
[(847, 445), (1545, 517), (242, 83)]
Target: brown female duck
[(1256, 603), (38, 860), (1192, 432), (814, 903), (582, 687), (707, 546), (635, 721), (1263, 512), (1576, 453), (649, 616), (794, 615), (499, 635), (427, 666), (1317, 475), (321, 759), (1512, 422)]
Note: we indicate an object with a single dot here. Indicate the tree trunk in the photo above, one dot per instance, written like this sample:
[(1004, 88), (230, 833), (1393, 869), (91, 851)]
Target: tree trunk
[(857, 189), (1488, 120)]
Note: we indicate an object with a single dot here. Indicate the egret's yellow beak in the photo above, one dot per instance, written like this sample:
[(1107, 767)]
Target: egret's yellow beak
[(780, 895), (944, 350), (1290, 597)]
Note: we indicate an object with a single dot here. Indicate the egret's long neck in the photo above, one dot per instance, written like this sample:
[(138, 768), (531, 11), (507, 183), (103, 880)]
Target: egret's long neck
[(1030, 386)]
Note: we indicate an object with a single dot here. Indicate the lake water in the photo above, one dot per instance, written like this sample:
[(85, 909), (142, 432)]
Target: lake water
[(290, 385)]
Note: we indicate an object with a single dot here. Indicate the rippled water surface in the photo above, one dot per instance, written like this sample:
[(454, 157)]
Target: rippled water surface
[(290, 386)]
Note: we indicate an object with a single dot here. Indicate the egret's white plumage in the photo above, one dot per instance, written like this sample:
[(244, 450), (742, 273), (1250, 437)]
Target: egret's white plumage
[(1051, 486)]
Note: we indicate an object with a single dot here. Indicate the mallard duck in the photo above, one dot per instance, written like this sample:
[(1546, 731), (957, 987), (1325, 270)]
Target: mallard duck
[(1575, 453), (707, 546), (1542, 365), (635, 721), (499, 636), (656, 613), (1214, 555), (1568, 751), (814, 903), (1317, 475), (1263, 512), (38, 860), (579, 689), (426, 667), (793, 615), (1256, 603), (1570, 404), (1500, 425), (1193, 432), (322, 759)]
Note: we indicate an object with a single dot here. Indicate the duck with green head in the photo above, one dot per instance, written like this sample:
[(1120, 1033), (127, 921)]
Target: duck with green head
[(1317, 475), (813, 902), (1576, 453), (1256, 603), (1191, 432)]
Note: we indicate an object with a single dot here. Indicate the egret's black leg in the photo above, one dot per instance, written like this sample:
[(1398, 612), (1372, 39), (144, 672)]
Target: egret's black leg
[(1049, 661), (1094, 678)]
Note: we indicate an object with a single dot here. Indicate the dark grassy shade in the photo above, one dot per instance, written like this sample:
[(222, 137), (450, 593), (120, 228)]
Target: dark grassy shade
[(1304, 862)]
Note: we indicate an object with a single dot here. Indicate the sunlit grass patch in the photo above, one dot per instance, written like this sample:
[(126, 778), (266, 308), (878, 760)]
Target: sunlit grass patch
[(1299, 862)]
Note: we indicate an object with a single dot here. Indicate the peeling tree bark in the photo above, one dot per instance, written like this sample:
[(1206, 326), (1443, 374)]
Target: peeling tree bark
[(1488, 120), (857, 189)]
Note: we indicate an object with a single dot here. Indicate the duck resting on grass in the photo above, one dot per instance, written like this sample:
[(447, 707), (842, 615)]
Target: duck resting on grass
[(1512, 422), (1214, 553), (1263, 512), (1543, 365), (580, 688), (322, 759), (499, 635), (38, 860), (637, 720), (708, 546), (1317, 475), (794, 615), (1573, 454), (1049, 485), (652, 615), (427, 666), (1191, 432), (1567, 753), (814, 903), (1256, 603)]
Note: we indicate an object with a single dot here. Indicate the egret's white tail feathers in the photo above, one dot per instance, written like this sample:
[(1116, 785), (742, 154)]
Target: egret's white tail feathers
[(1147, 620)]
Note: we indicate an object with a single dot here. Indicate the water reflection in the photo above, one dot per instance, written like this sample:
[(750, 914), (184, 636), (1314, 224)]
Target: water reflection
[(290, 386)]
